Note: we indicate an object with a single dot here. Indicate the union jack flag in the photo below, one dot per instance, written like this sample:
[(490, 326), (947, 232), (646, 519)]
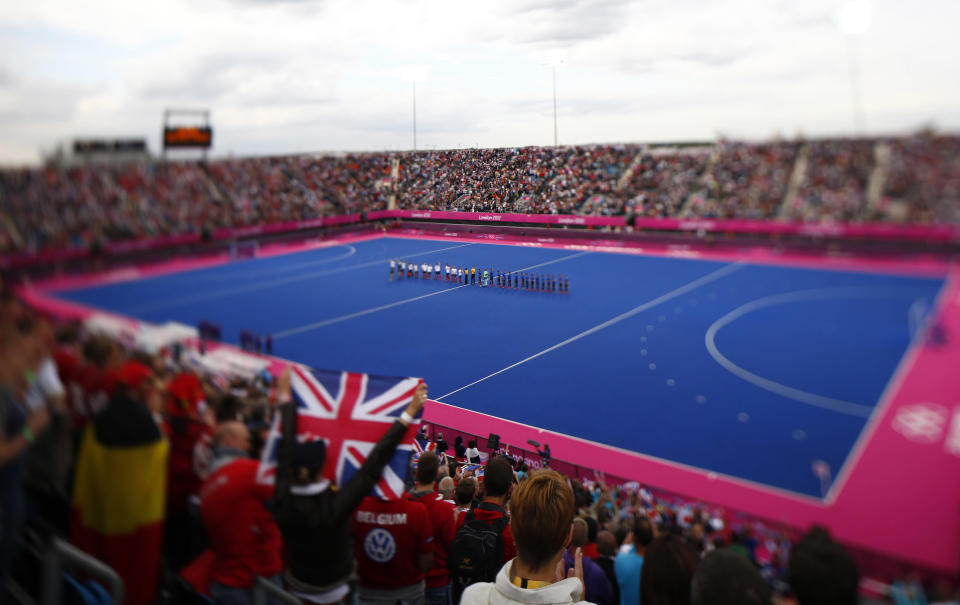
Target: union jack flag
[(423, 445), (350, 412), (419, 447)]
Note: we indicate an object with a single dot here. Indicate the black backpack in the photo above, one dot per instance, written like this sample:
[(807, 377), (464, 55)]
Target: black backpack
[(476, 553)]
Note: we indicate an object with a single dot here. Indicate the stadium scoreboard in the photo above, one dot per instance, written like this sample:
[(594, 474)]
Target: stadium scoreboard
[(83, 147), (198, 137)]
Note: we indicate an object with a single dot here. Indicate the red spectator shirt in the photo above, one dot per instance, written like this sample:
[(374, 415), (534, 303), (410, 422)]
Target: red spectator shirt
[(388, 539), (509, 547), (92, 396), (68, 364), (71, 374), (242, 532), (185, 400), (590, 550), (444, 528)]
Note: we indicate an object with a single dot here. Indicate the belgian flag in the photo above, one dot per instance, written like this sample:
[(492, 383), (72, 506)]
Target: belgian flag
[(120, 495)]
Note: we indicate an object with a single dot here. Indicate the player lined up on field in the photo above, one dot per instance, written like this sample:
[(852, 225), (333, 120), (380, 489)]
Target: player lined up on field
[(483, 277)]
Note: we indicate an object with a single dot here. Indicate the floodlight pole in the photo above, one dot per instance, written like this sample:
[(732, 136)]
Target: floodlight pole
[(554, 105), (414, 115), (855, 93)]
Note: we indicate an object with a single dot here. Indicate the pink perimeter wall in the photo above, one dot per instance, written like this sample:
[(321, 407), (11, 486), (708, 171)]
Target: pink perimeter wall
[(944, 234)]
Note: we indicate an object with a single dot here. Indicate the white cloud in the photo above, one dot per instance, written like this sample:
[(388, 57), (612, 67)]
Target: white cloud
[(294, 75)]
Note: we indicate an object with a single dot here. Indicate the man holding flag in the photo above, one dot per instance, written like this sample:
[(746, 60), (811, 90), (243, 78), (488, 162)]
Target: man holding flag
[(313, 515)]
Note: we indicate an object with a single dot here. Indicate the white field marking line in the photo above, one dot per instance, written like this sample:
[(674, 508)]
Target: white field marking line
[(710, 475), (129, 274), (240, 273), (688, 253), (892, 388), (334, 320), (828, 403), (550, 262), (709, 277), (915, 317), (270, 284)]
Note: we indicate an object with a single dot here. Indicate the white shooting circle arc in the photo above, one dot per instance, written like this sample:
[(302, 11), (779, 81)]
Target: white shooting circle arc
[(272, 271), (829, 403)]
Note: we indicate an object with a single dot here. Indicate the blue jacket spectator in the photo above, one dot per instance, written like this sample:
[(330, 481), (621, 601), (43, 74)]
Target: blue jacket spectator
[(629, 562)]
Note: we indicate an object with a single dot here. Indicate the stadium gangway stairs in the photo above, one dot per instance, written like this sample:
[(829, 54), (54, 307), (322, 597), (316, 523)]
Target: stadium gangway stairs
[(263, 590), (64, 552)]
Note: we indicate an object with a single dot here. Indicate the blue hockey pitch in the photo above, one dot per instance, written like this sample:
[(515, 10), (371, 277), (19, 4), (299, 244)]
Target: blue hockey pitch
[(754, 371)]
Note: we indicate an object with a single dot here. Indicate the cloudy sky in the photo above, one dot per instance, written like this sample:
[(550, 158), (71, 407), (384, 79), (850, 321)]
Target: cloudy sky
[(283, 76)]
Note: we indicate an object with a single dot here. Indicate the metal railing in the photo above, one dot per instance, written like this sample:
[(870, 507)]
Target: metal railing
[(61, 553), (264, 589)]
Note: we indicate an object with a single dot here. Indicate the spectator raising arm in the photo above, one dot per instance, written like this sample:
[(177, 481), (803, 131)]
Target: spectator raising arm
[(315, 520)]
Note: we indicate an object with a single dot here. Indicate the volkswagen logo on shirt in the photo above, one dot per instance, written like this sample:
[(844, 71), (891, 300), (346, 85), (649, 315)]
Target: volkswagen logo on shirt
[(379, 545)]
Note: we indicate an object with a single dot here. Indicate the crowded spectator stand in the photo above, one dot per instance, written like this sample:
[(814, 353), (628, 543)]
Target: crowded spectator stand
[(880, 185)]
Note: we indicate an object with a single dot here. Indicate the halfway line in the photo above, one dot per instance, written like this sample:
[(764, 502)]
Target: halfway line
[(709, 277), (334, 320)]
